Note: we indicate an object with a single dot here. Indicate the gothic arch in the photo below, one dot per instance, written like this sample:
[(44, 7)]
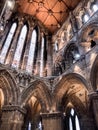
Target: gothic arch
[(9, 88), (40, 91), (70, 48), (71, 85), (94, 74), (76, 103), (1, 99), (87, 30)]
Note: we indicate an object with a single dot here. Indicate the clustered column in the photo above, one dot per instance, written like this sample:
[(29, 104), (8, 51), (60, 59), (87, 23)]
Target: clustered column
[(12, 118), (94, 103)]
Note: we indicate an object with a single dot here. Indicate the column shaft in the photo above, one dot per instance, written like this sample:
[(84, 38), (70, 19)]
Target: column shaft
[(12, 118), (42, 57), (94, 103), (38, 58), (49, 57)]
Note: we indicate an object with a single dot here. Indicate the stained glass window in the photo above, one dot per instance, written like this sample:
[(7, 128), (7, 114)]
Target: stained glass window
[(30, 61), (20, 46), (7, 43)]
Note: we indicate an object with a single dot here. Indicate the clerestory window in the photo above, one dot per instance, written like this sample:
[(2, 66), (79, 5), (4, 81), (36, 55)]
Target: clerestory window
[(30, 61), (7, 42), (19, 47)]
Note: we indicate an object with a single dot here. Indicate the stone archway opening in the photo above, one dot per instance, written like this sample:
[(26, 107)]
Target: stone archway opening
[(74, 89), (71, 118), (89, 37), (1, 101), (73, 109), (32, 119)]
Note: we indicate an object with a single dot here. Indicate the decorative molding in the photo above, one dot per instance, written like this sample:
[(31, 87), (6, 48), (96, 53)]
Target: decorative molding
[(53, 115), (13, 108)]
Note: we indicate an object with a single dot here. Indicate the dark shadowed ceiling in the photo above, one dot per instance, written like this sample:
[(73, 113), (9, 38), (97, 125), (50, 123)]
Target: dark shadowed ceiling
[(52, 13)]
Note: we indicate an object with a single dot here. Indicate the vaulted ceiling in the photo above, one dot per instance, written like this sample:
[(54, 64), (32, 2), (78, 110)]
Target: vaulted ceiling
[(51, 13)]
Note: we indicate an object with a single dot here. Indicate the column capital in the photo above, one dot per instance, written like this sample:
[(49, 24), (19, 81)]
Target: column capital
[(51, 115), (52, 121), (13, 108)]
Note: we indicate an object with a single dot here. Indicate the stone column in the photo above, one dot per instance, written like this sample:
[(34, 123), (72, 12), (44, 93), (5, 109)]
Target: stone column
[(42, 55), (94, 103), (11, 53), (52, 121), (12, 118), (37, 65), (87, 123), (25, 58), (49, 56)]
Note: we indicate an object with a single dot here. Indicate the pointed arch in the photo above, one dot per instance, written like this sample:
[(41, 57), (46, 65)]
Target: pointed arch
[(87, 30), (75, 102), (40, 91), (8, 42), (8, 87), (69, 85)]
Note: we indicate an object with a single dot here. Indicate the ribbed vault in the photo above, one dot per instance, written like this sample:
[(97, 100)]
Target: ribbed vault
[(52, 14)]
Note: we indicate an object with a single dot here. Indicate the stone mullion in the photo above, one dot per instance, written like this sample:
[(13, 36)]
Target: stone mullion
[(73, 122), (52, 121), (11, 53), (25, 58), (38, 56), (42, 57)]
